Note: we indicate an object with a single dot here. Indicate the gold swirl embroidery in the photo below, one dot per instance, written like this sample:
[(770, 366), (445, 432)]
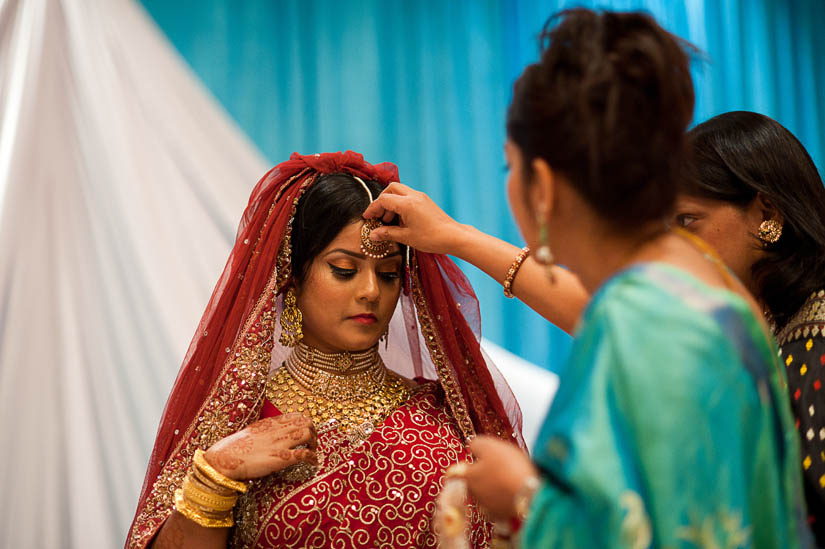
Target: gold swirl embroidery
[(373, 491)]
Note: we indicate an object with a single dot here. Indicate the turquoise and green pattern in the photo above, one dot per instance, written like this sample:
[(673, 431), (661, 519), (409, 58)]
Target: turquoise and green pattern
[(671, 427)]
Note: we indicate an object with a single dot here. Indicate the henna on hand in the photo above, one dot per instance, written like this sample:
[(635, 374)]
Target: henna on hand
[(243, 445), (262, 426), (285, 455), (305, 454), (298, 434), (224, 459)]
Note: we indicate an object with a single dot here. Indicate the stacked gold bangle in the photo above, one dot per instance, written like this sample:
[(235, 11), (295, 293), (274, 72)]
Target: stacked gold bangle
[(208, 497), (511, 274)]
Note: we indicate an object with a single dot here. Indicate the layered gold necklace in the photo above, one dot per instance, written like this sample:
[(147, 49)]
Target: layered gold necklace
[(351, 388)]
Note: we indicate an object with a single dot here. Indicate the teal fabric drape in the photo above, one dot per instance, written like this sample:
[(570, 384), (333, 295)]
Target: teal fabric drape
[(681, 439), (425, 84)]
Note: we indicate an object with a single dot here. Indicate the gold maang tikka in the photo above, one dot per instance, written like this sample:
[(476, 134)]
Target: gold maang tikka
[(369, 247)]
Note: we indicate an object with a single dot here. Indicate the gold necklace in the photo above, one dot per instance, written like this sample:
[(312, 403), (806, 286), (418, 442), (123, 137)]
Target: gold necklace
[(351, 388)]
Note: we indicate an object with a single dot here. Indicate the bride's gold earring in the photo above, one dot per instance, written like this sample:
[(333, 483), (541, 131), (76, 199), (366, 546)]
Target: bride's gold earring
[(544, 256), (291, 318)]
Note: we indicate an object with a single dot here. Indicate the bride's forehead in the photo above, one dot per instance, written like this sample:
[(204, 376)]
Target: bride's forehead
[(349, 238)]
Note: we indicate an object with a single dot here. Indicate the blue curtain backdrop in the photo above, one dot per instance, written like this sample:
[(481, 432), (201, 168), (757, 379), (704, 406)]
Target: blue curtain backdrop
[(425, 84)]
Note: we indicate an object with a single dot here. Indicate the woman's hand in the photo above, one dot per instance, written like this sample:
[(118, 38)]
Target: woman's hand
[(422, 224), (265, 447), (500, 472)]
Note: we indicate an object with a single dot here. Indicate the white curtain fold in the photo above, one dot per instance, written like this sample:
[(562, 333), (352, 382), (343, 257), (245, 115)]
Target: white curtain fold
[(122, 181), (121, 184)]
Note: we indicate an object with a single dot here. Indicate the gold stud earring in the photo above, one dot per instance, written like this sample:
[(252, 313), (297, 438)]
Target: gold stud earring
[(769, 231), (291, 318)]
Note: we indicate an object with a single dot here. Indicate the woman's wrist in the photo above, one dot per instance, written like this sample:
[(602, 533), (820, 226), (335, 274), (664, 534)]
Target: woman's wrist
[(521, 506), (524, 496), (207, 497), (211, 458), (464, 239)]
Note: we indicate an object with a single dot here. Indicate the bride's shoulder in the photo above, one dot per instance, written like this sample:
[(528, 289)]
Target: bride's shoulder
[(418, 384), (427, 401)]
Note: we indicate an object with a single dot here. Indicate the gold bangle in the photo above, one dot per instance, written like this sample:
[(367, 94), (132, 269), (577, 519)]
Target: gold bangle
[(205, 498), (514, 268), (223, 480), (200, 517), (209, 484)]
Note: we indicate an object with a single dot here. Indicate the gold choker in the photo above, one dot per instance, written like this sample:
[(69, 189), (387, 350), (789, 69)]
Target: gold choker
[(351, 388), (337, 377)]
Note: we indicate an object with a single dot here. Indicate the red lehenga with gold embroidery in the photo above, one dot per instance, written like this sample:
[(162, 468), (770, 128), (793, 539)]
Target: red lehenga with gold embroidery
[(375, 485)]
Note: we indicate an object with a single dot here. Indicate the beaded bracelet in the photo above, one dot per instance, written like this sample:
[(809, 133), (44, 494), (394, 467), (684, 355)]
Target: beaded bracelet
[(514, 268)]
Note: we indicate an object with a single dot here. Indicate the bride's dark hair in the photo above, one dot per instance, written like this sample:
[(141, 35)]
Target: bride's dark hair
[(330, 204)]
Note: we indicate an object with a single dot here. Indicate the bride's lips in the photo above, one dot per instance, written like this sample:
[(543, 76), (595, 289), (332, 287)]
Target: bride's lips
[(366, 318)]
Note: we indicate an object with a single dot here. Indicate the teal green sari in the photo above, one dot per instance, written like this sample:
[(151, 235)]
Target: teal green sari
[(671, 426)]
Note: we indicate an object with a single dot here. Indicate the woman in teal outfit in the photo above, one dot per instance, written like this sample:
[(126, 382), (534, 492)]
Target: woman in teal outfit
[(671, 426)]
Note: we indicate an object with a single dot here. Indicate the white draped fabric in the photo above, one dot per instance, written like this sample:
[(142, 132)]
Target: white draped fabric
[(121, 183)]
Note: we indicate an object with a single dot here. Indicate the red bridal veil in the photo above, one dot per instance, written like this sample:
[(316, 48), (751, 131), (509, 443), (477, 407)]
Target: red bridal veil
[(435, 334)]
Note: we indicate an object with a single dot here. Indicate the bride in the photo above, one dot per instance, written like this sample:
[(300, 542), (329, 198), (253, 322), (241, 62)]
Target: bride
[(330, 383)]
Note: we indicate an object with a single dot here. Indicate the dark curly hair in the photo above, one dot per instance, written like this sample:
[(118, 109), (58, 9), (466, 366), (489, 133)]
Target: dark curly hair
[(607, 105), (739, 154)]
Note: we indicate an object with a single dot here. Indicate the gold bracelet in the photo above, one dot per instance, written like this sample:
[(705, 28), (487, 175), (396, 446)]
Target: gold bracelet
[(193, 493), (514, 268), (225, 520), (223, 480), (209, 484)]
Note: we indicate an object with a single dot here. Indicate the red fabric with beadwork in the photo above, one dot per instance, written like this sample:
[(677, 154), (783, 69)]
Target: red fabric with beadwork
[(371, 489)]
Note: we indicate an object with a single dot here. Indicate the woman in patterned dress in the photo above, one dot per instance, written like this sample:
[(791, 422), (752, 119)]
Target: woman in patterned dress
[(755, 195), (290, 425)]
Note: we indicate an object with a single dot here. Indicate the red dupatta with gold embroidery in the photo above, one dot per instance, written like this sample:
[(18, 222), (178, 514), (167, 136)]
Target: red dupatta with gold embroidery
[(434, 334)]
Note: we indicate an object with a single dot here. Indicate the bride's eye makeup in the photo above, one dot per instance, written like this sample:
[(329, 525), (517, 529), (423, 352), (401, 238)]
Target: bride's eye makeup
[(390, 276), (342, 272)]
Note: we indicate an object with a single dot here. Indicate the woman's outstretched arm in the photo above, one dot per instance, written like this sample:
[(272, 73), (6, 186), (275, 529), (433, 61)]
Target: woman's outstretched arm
[(424, 226)]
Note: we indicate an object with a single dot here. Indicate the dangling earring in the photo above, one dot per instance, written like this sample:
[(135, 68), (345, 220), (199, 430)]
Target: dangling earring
[(769, 231), (385, 337), (291, 317), (543, 255)]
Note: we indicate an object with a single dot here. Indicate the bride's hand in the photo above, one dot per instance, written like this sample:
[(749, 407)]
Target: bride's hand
[(422, 224), (264, 447)]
